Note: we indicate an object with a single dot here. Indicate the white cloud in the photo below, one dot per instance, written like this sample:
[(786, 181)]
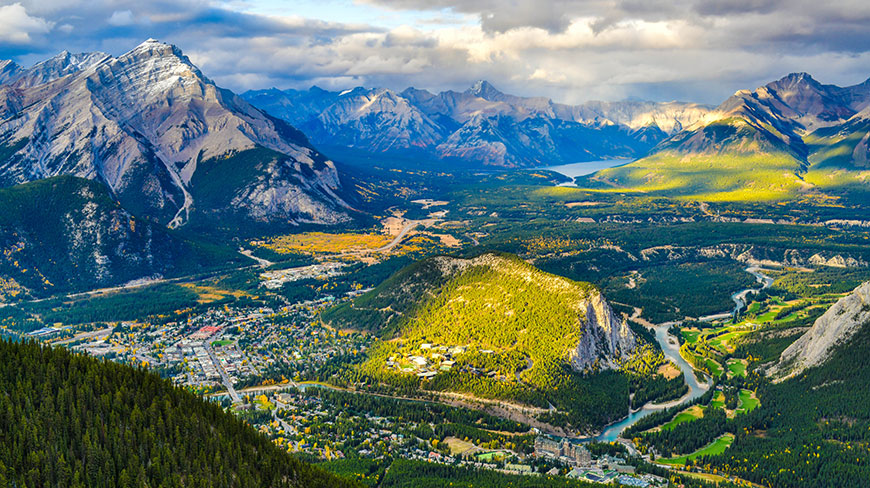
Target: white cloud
[(121, 18), (568, 50), (16, 26)]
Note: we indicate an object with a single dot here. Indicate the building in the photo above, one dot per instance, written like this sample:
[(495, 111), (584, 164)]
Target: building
[(563, 450), (632, 481)]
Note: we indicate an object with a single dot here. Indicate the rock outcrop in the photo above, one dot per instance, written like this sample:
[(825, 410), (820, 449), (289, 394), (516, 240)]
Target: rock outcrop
[(607, 336), (835, 327)]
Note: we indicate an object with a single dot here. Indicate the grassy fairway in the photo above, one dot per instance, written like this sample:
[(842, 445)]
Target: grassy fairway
[(748, 402), (688, 415), (691, 335), (718, 400), (716, 447), (723, 342), (714, 367), (736, 368)]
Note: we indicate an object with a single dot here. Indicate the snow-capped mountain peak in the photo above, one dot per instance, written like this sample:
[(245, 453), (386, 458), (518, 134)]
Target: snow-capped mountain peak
[(145, 123)]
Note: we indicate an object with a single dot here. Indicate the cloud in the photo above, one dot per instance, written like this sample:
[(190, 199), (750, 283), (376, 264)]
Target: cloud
[(17, 26), (121, 17), (569, 50)]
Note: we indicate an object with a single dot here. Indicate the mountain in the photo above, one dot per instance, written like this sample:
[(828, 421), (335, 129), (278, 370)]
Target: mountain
[(496, 327), (480, 126), (379, 121), (457, 302), (812, 425), (774, 142), (66, 234), (55, 68), (73, 420), (9, 71), (843, 320), (165, 140)]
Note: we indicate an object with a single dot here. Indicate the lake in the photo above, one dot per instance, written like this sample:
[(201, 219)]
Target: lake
[(574, 170)]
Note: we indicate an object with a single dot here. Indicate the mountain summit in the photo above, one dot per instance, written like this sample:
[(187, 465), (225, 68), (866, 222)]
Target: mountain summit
[(479, 126), (784, 137), (485, 90), (167, 141)]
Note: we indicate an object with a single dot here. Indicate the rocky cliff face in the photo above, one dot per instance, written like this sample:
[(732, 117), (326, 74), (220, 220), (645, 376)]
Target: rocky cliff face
[(143, 123), (480, 125), (835, 327), (607, 336)]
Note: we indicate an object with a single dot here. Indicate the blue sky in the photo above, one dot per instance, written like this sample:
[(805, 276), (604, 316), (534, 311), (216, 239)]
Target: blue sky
[(348, 12), (571, 51)]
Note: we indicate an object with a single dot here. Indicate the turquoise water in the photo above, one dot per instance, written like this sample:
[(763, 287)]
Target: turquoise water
[(574, 170), (671, 349)]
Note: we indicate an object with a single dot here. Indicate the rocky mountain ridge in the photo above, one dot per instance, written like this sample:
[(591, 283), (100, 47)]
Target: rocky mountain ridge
[(834, 327), (145, 123), (781, 112), (481, 125), (790, 136)]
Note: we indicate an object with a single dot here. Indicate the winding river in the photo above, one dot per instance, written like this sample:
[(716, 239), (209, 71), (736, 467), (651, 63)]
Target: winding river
[(671, 348), (740, 297)]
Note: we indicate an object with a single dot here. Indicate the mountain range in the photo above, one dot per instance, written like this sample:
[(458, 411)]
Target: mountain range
[(794, 135), (167, 142), (789, 137), (478, 126)]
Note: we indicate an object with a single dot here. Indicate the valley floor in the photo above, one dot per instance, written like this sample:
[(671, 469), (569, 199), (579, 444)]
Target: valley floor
[(258, 328)]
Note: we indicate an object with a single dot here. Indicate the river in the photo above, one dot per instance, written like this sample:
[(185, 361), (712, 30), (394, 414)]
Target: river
[(740, 297), (671, 349)]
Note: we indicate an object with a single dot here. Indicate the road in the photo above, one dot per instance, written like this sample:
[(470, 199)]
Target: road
[(261, 263), (264, 263), (95, 334), (234, 395), (136, 284), (409, 226)]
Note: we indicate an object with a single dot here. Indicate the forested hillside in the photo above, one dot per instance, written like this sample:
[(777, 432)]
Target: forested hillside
[(66, 234), (813, 427), (72, 421), (496, 327)]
